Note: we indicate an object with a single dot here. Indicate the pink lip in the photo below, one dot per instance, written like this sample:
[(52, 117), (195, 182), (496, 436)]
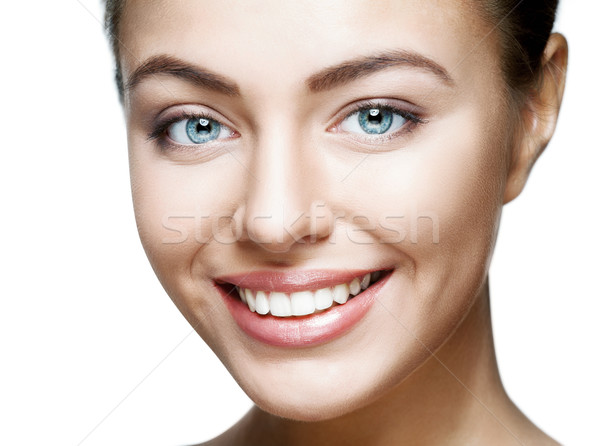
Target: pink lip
[(290, 281), (302, 331)]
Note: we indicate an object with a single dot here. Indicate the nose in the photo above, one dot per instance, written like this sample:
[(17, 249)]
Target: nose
[(283, 206)]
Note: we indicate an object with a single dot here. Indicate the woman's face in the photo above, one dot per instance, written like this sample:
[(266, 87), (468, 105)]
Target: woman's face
[(290, 146)]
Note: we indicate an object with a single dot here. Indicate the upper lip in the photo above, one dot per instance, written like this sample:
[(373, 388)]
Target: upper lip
[(291, 281)]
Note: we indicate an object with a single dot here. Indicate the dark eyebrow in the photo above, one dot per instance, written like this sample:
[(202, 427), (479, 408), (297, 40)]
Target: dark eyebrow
[(172, 66), (351, 70)]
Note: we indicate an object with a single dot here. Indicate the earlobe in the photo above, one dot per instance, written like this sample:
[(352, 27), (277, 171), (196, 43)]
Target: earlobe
[(539, 115)]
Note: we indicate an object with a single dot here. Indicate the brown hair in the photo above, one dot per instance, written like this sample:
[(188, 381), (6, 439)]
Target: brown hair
[(524, 27)]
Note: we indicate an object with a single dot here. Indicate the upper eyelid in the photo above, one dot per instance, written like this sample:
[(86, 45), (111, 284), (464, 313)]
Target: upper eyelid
[(394, 110), (389, 103), (191, 107), (161, 123), (385, 104)]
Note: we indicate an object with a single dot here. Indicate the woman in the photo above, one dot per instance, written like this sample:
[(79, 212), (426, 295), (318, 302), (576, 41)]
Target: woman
[(319, 188)]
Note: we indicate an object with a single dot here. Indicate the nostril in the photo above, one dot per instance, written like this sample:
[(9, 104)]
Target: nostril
[(277, 227), (312, 238)]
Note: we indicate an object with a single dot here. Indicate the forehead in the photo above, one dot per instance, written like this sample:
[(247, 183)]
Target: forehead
[(274, 41)]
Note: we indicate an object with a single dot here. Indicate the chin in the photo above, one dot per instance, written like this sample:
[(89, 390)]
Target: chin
[(330, 383), (314, 403)]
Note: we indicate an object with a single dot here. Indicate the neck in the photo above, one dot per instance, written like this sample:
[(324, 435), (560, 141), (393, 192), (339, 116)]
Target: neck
[(454, 397)]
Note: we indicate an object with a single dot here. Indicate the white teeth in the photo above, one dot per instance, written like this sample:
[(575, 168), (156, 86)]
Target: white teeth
[(341, 293), (355, 287), (262, 304), (279, 303), (242, 294), (303, 303), (365, 282), (250, 300), (323, 298)]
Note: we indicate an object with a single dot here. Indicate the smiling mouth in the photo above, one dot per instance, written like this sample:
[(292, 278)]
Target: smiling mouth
[(304, 302)]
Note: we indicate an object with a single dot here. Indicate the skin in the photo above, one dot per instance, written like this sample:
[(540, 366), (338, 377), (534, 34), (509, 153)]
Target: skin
[(420, 367)]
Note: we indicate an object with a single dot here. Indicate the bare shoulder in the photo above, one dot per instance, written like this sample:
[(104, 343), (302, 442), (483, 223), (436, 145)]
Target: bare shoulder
[(524, 431)]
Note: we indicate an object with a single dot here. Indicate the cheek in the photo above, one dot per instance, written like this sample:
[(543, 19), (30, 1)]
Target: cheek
[(449, 190), (462, 183), (179, 210)]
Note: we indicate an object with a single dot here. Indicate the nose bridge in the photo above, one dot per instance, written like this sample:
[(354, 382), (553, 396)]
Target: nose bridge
[(278, 200)]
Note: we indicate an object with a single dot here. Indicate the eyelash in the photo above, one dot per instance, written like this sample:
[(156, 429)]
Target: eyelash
[(413, 120), (160, 130)]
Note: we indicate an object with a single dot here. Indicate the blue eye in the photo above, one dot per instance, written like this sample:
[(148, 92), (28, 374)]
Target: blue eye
[(373, 121), (199, 130)]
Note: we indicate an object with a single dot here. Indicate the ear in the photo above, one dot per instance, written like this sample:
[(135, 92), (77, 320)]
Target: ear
[(538, 116)]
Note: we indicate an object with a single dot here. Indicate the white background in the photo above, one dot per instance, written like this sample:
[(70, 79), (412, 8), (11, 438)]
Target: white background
[(93, 352)]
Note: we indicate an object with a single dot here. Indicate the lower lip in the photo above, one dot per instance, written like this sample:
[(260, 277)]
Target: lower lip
[(302, 331)]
